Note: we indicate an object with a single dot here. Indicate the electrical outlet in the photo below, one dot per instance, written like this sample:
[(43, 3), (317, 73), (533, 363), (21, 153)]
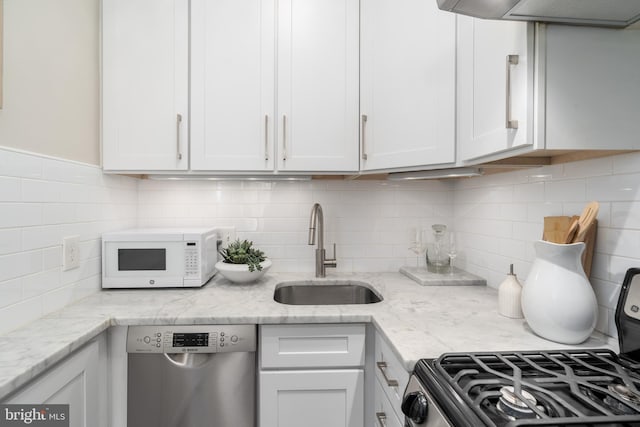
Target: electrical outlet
[(227, 235), (70, 252)]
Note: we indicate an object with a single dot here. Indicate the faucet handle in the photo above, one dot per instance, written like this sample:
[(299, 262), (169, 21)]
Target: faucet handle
[(335, 255), (331, 262)]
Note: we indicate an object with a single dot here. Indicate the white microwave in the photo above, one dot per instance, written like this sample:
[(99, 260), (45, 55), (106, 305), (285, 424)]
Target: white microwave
[(159, 258)]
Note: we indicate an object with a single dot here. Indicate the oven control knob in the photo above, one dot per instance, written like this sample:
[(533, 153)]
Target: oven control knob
[(415, 406)]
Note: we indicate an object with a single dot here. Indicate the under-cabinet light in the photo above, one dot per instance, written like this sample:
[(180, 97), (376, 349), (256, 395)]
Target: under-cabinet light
[(229, 177), (435, 174)]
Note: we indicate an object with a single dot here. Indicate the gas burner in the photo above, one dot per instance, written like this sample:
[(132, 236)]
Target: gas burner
[(516, 407), (625, 393)]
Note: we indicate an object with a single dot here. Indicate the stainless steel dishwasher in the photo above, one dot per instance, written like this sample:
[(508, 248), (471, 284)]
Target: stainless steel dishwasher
[(191, 376)]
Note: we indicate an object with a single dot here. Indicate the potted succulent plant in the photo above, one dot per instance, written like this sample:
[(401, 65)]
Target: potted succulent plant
[(242, 263)]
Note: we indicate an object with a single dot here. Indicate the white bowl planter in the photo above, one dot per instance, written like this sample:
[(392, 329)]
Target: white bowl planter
[(239, 273)]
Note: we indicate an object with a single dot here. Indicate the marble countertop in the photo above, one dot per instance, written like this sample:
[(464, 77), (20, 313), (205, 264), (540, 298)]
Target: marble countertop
[(417, 321)]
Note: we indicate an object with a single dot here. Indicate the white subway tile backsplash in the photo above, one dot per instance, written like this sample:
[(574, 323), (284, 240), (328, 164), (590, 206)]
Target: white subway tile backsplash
[(588, 168), (20, 214), (41, 237), (10, 292), (40, 283), (606, 292), (496, 217), (529, 193), (564, 191), (20, 264), (10, 241), (20, 165), (26, 310), (52, 257), (10, 189), (626, 163), (42, 200), (58, 213), (625, 215), (614, 188), (537, 211)]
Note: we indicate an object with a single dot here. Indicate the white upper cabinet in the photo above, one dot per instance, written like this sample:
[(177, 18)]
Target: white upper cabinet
[(240, 120), (408, 72), (232, 85), (525, 87), (591, 88), (317, 100), (145, 116), (495, 85)]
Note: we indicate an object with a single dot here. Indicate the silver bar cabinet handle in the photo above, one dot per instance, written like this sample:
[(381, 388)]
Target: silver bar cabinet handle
[(266, 137), (178, 123), (284, 137), (383, 368), (362, 130), (382, 419), (510, 123)]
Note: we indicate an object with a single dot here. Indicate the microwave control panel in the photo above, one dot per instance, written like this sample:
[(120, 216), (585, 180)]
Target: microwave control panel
[(191, 259), (191, 339)]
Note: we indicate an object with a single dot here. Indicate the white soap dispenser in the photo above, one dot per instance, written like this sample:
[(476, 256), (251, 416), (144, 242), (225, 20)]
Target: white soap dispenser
[(509, 294)]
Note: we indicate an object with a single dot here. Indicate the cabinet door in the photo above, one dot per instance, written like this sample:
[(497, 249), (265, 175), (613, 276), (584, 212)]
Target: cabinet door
[(75, 382), (318, 85), (492, 91), (232, 85), (407, 84), (145, 84), (319, 398)]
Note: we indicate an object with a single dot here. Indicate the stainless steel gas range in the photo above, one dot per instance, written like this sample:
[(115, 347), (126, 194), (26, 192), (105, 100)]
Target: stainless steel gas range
[(534, 388)]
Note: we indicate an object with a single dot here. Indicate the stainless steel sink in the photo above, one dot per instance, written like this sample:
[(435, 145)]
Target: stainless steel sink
[(316, 292)]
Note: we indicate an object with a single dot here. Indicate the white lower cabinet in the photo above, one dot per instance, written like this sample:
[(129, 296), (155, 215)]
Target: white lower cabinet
[(311, 375), (391, 380), (79, 381)]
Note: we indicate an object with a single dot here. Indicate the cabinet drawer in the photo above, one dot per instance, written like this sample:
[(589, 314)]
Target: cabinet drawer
[(385, 415), (312, 346), (312, 398), (391, 373)]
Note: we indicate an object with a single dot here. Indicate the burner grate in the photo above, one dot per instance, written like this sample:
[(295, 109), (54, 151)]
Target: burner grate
[(568, 387)]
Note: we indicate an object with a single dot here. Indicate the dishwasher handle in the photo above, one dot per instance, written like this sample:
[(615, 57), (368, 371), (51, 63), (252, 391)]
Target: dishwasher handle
[(189, 360)]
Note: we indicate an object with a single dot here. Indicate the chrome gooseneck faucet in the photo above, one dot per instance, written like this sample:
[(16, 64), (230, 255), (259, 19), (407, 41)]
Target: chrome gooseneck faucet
[(316, 223)]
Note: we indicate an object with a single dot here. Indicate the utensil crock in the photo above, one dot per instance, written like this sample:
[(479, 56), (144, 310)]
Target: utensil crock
[(558, 301)]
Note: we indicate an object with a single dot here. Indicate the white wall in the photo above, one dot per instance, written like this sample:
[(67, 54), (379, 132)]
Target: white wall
[(499, 216), (368, 220), (51, 78), (43, 200)]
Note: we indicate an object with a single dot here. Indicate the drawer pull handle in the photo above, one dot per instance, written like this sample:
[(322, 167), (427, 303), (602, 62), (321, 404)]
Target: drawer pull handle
[(382, 419), (383, 368)]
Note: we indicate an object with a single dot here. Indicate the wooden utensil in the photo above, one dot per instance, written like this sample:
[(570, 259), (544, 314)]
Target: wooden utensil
[(589, 213), (571, 232)]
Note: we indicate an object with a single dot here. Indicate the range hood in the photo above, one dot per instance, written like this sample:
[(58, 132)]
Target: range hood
[(606, 13)]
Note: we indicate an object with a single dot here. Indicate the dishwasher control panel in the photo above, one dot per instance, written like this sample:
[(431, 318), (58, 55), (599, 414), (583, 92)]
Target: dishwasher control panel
[(191, 339)]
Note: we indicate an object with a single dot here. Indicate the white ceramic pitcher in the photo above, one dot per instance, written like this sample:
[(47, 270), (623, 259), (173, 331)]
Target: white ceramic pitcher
[(558, 301)]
